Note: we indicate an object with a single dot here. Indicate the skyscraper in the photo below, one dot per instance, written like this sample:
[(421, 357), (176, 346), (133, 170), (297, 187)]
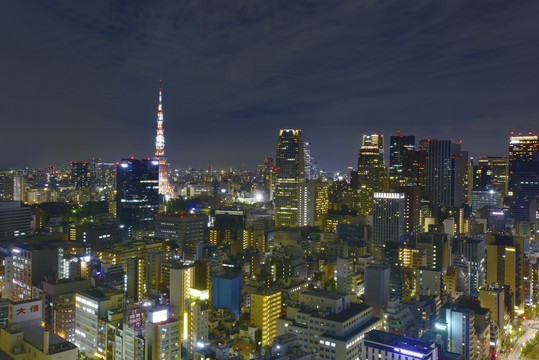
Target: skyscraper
[(445, 172), (523, 151), (523, 174), (290, 163), (307, 159), (138, 191), (398, 145), (164, 185), (388, 220), (370, 169), (80, 174)]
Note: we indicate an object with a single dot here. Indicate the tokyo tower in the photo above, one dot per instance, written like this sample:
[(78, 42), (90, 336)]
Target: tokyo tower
[(164, 185)]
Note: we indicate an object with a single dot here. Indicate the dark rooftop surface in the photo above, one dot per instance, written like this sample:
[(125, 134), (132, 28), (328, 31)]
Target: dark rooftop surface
[(344, 315)]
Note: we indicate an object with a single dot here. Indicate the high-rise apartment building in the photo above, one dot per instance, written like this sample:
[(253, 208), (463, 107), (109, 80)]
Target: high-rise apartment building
[(445, 172), (80, 174), (27, 267), (312, 202), (266, 308), (290, 164), (370, 169), (59, 306), (388, 217), (162, 336), (398, 145), (182, 279)]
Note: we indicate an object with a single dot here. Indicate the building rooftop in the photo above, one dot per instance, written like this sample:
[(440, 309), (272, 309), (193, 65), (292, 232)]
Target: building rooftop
[(345, 338), (346, 314), (98, 293), (322, 293), (399, 341)]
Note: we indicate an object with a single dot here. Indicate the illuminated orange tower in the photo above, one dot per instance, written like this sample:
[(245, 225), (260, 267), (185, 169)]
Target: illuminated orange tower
[(164, 185)]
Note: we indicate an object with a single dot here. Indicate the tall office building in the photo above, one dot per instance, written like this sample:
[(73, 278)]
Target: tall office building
[(523, 174), (80, 174), (398, 145), (388, 218), (505, 262), (266, 308), (6, 185), (492, 173), (59, 306), (523, 152), (473, 250), (377, 287), (290, 163), (15, 220), (438, 247), (370, 169), (445, 172), (307, 159), (138, 192), (94, 310), (414, 167), (412, 209), (184, 230)]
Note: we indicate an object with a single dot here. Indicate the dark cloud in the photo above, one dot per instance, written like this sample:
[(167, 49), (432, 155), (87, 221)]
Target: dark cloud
[(79, 79)]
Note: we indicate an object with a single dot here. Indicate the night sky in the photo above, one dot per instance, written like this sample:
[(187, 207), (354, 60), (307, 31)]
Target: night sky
[(79, 79)]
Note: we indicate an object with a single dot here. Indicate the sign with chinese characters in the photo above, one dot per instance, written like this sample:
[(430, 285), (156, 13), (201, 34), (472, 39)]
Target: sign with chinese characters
[(24, 311)]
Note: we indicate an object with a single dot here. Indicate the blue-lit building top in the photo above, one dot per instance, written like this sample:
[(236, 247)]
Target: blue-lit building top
[(226, 293), (387, 346)]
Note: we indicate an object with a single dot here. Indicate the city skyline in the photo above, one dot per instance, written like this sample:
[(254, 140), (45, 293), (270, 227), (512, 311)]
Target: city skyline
[(81, 82)]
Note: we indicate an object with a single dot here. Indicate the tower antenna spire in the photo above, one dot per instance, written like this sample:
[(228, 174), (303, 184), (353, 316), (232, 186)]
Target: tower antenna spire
[(164, 184)]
